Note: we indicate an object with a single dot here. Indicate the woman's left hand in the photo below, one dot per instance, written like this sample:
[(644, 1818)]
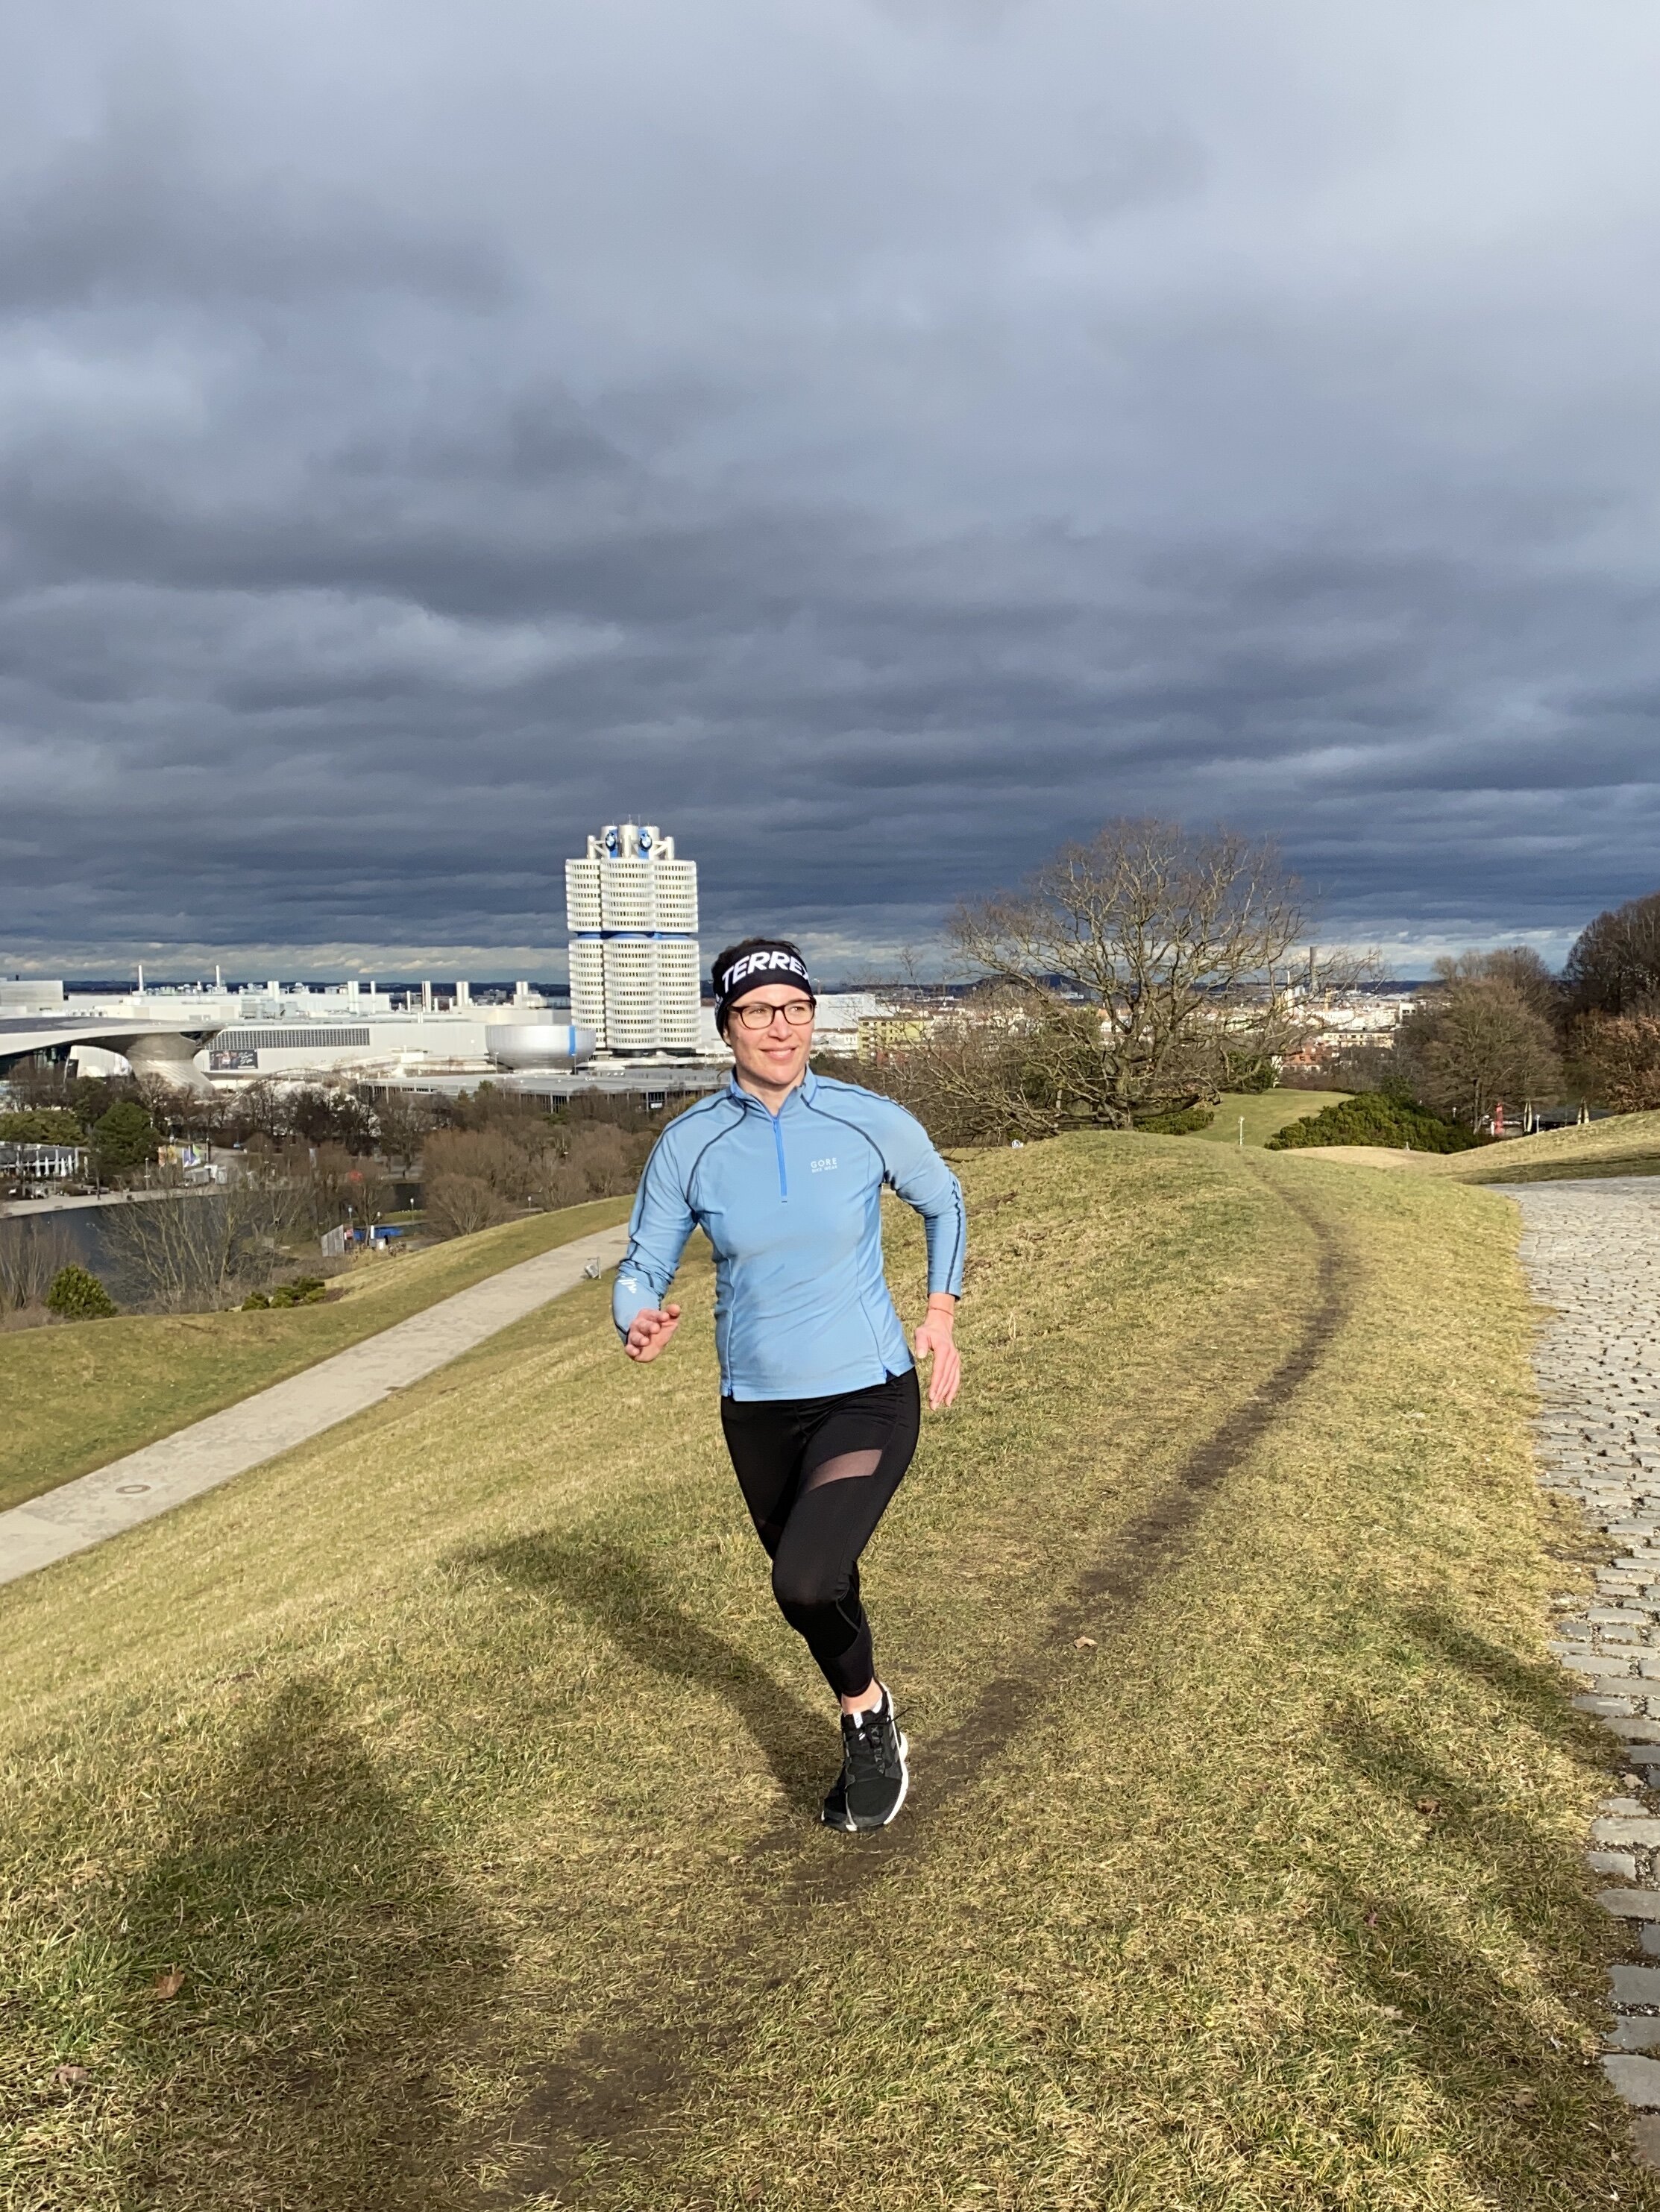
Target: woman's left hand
[(935, 1340)]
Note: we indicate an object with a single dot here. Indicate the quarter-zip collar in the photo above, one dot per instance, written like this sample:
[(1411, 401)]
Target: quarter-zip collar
[(805, 1090)]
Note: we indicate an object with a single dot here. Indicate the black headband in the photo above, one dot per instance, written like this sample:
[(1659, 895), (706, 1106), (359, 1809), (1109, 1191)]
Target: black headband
[(768, 963)]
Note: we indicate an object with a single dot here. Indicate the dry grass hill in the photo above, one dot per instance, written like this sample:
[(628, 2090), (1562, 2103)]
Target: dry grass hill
[(426, 1819)]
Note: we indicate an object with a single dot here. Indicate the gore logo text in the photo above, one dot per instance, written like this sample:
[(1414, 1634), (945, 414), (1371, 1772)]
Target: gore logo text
[(819, 1166)]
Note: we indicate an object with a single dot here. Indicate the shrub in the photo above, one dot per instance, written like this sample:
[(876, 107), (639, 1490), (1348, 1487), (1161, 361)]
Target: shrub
[(41, 1125), (1259, 1074), (1371, 1117), (304, 1290), (1181, 1123), (124, 1137), (256, 1302), (76, 1294)]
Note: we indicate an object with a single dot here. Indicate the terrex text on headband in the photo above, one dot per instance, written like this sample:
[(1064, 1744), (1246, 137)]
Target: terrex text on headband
[(761, 960)]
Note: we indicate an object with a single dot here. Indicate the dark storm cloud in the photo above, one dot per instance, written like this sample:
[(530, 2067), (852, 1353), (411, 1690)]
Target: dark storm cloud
[(130, 217), (873, 444)]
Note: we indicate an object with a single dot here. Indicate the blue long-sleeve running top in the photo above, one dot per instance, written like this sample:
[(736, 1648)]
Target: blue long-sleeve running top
[(791, 1203)]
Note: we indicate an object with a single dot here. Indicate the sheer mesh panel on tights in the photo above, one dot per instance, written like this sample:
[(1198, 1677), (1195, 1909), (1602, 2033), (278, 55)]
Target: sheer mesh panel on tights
[(845, 1467)]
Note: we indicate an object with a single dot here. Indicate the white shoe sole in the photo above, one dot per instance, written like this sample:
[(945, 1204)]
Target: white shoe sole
[(905, 1780)]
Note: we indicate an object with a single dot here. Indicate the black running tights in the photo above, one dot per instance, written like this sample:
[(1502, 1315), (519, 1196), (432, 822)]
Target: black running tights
[(816, 1474)]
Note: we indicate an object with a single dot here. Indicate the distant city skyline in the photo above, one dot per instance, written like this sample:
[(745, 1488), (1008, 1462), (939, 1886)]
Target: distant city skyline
[(543, 969)]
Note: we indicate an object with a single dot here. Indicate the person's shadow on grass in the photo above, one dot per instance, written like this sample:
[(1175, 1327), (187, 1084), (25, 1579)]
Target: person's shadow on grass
[(299, 1970), (1517, 2094), (630, 1603)]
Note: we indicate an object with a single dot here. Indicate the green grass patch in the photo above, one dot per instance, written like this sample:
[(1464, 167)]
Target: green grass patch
[(1624, 1144), (426, 1819), (76, 1398), (1264, 1113)]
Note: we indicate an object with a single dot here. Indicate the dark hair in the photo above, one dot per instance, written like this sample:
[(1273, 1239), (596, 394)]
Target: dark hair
[(734, 953)]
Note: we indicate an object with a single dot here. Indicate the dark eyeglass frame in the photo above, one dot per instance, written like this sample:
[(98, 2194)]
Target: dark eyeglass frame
[(797, 1013)]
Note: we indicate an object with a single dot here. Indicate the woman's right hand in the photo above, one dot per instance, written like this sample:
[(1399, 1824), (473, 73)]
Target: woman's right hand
[(650, 1330)]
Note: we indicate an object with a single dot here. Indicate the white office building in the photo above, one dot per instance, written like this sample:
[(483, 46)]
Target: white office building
[(631, 909)]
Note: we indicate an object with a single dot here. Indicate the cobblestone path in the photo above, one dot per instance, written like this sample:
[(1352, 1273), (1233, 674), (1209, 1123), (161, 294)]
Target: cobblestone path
[(1592, 1255)]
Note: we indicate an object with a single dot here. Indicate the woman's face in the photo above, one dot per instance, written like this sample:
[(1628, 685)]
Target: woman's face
[(775, 1056)]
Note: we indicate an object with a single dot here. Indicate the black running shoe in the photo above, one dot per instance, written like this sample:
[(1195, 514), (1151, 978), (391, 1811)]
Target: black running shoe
[(874, 1777)]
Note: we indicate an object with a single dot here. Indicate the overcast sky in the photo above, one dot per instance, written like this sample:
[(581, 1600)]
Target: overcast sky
[(873, 440)]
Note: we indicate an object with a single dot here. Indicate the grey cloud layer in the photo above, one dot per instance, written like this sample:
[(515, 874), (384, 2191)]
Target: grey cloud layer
[(875, 443)]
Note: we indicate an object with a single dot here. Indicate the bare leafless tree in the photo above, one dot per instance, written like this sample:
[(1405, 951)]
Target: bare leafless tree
[(1518, 965), (1131, 975), (1620, 1054), (459, 1204), (328, 1184), (1477, 1040), (403, 1122), (200, 1249), (525, 1160), (1613, 965), (1002, 1065), (32, 1252)]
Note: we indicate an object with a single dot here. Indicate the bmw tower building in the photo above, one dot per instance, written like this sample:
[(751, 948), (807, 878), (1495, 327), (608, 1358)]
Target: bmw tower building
[(631, 909)]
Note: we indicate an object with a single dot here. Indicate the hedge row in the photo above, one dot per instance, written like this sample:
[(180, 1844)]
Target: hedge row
[(1371, 1117)]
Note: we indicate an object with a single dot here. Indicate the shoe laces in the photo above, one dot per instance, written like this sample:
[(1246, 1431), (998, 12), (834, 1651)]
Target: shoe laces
[(874, 1748)]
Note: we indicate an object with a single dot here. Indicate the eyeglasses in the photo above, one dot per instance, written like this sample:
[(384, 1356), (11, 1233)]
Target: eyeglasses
[(798, 1012)]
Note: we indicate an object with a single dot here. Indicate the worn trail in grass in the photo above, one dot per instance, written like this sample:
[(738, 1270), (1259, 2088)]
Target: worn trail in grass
[(478, 1821), (616, 2097)]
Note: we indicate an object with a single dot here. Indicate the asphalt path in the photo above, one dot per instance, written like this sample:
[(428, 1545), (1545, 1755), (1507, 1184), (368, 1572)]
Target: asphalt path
[(25, 1209), (112, 1499)]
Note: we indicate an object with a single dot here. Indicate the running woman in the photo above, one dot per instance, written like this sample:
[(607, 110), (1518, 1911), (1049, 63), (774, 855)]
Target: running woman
[(783, 1171)]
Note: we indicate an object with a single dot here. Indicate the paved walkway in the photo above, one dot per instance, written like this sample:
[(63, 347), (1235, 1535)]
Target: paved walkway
[(1592, 1253), (31, 1209), (96, 1506)]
